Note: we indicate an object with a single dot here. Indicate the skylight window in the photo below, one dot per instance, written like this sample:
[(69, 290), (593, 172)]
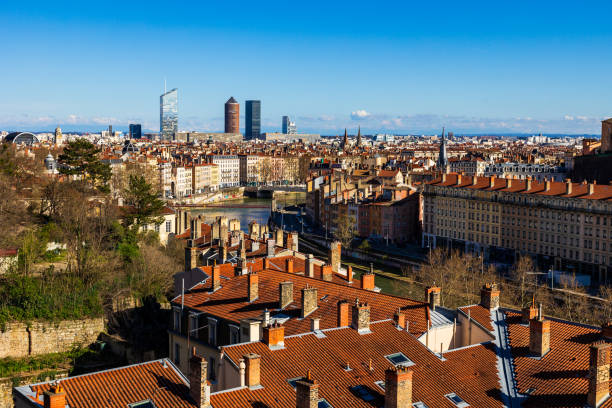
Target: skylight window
[(363, 393), (399, 359), (381, 384), (457, 400), (419, 405), (293, 382), (143, 404)]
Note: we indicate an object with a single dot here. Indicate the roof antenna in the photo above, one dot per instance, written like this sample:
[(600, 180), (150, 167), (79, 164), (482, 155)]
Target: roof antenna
[(165, 85)]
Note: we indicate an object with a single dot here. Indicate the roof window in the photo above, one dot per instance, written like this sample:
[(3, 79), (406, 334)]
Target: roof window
[(457, 400), (399, 359)]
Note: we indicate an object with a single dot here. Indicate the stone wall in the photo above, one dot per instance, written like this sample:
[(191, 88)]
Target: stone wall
[(22, 340)]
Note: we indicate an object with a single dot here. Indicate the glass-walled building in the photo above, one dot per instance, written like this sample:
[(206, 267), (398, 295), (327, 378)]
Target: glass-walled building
[(168, 114), (252, 114)]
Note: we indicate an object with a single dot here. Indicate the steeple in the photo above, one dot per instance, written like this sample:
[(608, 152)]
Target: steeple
[(442, 156), (345, 140), (359, 137)]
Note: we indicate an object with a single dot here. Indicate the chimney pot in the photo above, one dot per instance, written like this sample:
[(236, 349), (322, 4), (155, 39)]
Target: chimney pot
[(528, 313), (349, 273), (367, 281), (314, 324), (539, 337), (432, 296), (55, 397), (307, 392), (289, 265), (274, 336), (400, 319)]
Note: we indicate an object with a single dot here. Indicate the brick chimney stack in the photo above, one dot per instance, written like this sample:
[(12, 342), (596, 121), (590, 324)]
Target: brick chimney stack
[(294, 241), (327, 273), (285, 294), (591, 188), (199, 390), (343, 313), (216, 277), (289, 265), (539, 335), (606, 330), (335, 256), (270, 243), (398, 387), (528, 313), (568, 186), (367, 279), (432, 296), (400, 319), (361, 317), (307, 392), (309, 272), (274, 336), (253, 282), (191, 256), (489, 296), (349, 273), (278, 236), (55, 397), (599, 374), (252, 371), (309, 301)]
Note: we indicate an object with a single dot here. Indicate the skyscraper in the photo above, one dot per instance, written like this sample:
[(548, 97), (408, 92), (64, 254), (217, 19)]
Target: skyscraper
[(252, 116), (135, 131), (168, 114), (289, 127), (232, 116)]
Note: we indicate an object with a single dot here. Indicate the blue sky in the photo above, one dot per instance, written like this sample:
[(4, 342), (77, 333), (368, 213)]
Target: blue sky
[(405, 67)]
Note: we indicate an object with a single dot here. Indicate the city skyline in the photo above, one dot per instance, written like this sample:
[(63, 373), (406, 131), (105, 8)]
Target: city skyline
[(475, 69)]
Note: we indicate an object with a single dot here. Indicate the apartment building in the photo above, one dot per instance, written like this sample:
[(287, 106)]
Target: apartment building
[(472, 167), (229, 169), (539, 172), (205, 178), (250, 165), (565, 225), (181, 181)]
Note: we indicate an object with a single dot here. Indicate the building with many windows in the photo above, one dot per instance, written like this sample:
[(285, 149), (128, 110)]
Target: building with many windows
[(564, 225), (229, 170), (252, 120), (135, 131), (540, 172), (232, 116), (168, 114)]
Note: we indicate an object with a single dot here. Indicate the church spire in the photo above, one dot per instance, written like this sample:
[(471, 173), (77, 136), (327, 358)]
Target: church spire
[(442, 155), (345, 140)]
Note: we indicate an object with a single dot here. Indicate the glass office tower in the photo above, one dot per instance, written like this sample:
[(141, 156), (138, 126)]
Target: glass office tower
[(252, 127), (135, 131), (168, 114)]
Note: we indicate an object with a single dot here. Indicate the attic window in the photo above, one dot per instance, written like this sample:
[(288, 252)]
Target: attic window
[(381, 384), (457, 400), (399, 359), (142, 404), (293, 382), (419, 405)]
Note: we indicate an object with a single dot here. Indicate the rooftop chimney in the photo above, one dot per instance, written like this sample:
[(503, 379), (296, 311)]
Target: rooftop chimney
[(489, 296), (309, 266), (278, 236), (591, 188), (367, 281), (326, 273), (398, 387), (285, 294), (266, 263), (474, 180), (216, 277), (289, 265), (253, 281), (432, 296), (274, 336), (508, 183), (315, 324), (528, 313), (568, 186), (539, 335), (599, 374), (400, 319), (349, 273), (191, 257), (361, 317), (547, 185), (491, 181), (309, 301), (335, 253), (270, 247), (458, 179), (294, 241), (606, 330), (307, 392), (199, 390), (252, 370), (444, 177), (528, 184), (343, 313), (55, 397)]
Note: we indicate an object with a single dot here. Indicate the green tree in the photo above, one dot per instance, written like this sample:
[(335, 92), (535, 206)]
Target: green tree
[(81, 158), (144, 207)]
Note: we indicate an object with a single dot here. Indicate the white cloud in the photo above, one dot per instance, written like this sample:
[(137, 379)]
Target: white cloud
[(360, 114), (568, 117)]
